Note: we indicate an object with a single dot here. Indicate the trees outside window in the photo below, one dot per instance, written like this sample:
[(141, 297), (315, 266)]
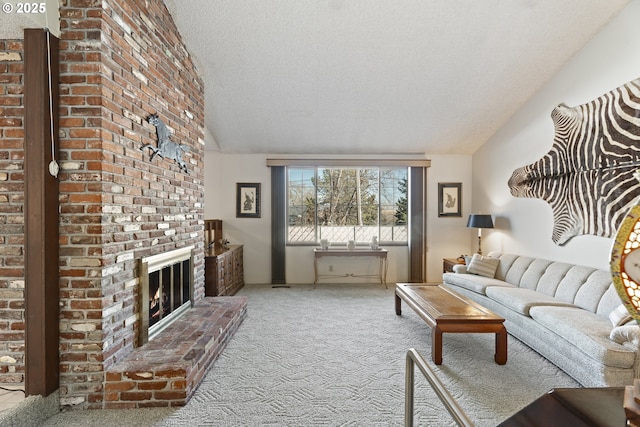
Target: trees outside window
[(342, 204)]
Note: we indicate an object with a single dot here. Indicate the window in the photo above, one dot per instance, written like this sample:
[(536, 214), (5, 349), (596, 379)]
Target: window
[(341, 204)]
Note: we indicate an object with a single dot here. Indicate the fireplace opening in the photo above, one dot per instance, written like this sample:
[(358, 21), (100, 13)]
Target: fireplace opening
[(166, 290)]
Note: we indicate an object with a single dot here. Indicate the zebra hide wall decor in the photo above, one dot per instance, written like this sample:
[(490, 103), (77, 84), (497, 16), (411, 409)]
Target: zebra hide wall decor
[(587, 176)]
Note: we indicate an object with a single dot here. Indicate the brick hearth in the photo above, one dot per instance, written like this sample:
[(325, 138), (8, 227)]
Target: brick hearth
[(167, 370)]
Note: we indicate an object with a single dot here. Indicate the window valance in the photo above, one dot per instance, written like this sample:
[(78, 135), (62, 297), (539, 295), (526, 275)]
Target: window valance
[(425, 163)]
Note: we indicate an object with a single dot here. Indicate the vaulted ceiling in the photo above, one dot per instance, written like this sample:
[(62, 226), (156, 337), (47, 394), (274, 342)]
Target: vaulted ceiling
[(373, 76), (376, 76)]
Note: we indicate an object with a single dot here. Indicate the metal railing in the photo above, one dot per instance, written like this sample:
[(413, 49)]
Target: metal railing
[(337, 234), (414, 358)]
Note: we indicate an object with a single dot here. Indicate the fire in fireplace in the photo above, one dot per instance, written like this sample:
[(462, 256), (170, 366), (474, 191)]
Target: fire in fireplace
[(166, 290)]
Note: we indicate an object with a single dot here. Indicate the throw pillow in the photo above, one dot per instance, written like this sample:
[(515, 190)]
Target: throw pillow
[(619, 316), (483, 266)]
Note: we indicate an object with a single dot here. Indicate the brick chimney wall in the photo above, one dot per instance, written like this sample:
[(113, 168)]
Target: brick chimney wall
[(119, 62)]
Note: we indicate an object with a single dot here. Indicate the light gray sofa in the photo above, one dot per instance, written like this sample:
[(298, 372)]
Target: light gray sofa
[(562, 311)]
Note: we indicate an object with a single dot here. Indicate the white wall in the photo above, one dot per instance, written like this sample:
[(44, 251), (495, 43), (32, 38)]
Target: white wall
[(524, 226), (221, 174), (446, 237)]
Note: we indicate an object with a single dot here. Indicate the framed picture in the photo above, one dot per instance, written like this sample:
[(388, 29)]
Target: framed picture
[(449, 199), (247, 200)]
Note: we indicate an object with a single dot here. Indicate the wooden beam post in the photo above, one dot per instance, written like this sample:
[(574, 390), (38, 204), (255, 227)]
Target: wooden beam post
[(41, 208)]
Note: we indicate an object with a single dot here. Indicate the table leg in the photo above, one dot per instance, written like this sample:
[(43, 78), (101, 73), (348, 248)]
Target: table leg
[(436, 345), (398, 305), (501, 347), (383, 271), (315, 270)]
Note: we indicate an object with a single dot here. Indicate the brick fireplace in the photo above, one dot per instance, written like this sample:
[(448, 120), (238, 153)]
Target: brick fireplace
[(166, 290), (119, 62)]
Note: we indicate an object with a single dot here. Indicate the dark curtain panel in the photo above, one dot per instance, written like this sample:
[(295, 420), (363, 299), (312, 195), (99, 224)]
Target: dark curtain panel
[(278, 223), (417, 225)]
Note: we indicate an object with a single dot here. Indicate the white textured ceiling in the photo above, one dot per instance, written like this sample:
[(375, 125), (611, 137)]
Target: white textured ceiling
[(374, 76), (14, 20)]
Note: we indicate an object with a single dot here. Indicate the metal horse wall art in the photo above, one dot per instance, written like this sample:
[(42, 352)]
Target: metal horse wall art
[(587, 176), (166, 148)]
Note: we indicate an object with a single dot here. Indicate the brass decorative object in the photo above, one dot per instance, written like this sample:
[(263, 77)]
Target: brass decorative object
[(625, 262)]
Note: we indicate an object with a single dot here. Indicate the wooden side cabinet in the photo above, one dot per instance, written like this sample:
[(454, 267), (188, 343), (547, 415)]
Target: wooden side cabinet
[(223, 271), (448, 263)]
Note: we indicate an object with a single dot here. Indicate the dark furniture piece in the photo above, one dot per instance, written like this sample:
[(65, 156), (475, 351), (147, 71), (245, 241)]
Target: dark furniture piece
[(575, 407), (447, 311), (223, 270)]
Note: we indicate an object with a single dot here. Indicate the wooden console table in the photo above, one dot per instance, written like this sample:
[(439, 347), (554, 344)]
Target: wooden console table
[(381, 254)]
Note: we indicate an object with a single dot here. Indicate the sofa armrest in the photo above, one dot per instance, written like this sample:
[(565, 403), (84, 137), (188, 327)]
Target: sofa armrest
[(459, 269), (627, 335)]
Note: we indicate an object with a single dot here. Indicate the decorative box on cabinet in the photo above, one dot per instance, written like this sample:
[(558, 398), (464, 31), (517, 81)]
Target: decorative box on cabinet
[(213, 232), (223, 270)]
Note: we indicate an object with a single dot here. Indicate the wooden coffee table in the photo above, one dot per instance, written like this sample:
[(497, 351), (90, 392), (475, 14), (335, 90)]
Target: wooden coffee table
[(447, 311)]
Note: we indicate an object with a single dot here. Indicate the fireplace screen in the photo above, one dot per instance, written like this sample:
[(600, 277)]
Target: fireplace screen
[(166, 290)]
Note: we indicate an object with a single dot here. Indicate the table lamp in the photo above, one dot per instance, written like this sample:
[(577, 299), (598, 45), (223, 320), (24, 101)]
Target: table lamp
[(480, 221)]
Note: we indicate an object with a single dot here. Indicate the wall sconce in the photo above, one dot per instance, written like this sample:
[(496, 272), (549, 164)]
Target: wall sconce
[(480, 221)]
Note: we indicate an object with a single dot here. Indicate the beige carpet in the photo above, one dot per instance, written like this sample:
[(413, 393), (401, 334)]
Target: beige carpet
[(335, 356)]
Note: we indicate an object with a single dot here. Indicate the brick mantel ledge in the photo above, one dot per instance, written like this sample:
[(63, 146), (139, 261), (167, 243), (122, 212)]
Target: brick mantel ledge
[(167, 370)]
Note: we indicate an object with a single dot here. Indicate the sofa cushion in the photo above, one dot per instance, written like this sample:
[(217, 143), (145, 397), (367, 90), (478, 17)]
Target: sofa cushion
[(593, 289), (518, 268), (553, 275), (506, 261), (483, 266), (570, 285), (521, 300), (531, 277), (474, 283), (587, 331), (609, 301)]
